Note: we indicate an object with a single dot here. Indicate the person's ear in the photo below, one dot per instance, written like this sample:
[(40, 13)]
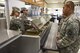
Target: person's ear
[(69, 7)]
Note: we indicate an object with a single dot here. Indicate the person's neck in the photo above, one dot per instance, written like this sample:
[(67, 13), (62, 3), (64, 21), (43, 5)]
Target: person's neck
[(24, 14), (69, 14), (15, 16)]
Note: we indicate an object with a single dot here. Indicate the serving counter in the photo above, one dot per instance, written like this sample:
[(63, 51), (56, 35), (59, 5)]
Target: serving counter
[(32, 41)]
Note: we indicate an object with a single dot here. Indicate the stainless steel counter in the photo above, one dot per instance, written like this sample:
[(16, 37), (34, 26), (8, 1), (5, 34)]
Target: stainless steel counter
[(51, 40), (7, 36), (27, 43)]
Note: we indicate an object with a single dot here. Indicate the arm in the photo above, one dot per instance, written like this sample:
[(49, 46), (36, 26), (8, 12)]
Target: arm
[(71, 35)]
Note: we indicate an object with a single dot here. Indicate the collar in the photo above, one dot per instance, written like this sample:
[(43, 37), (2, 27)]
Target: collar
[(14, 17), (65, 19), (24, 14)]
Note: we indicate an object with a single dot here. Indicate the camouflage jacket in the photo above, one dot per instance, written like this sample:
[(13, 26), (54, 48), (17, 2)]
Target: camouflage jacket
[(16, 24), (69, 29), (23, 16)]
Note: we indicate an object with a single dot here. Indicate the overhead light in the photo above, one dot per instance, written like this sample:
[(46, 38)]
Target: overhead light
[(55, 2), (37, 0), (2, 0), (33, 0), (75, 1)]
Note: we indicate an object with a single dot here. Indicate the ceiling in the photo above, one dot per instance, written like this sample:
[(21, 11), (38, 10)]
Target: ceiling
[(59, 1), (2, 1)]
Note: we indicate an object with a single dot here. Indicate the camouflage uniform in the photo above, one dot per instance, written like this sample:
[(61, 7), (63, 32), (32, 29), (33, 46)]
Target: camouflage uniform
[(24, 19), (69, 30), (23, 16), (16, 23)]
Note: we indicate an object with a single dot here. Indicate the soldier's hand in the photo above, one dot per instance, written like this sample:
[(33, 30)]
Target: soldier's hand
[(59, 41), (58, 36)]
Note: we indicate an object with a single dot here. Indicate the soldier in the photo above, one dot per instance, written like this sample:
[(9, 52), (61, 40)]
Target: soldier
[(68, 33), (16, 23), (24, 14), (15, 13), (42, 12)]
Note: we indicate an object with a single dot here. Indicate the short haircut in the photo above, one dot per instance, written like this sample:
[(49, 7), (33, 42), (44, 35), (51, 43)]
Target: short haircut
[(70, 4), (24, 10), (13, 13)]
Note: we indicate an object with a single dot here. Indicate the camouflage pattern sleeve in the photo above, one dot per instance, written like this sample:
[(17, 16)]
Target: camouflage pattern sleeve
[(70, 35), (60, 24)]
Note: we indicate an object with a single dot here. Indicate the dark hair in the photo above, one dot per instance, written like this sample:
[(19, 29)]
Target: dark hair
[(23, 10), (70, 4), (13, 12)]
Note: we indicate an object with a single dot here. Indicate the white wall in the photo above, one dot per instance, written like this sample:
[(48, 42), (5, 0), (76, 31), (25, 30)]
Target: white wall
[(54, 12), (15, 3), (77, 8)]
